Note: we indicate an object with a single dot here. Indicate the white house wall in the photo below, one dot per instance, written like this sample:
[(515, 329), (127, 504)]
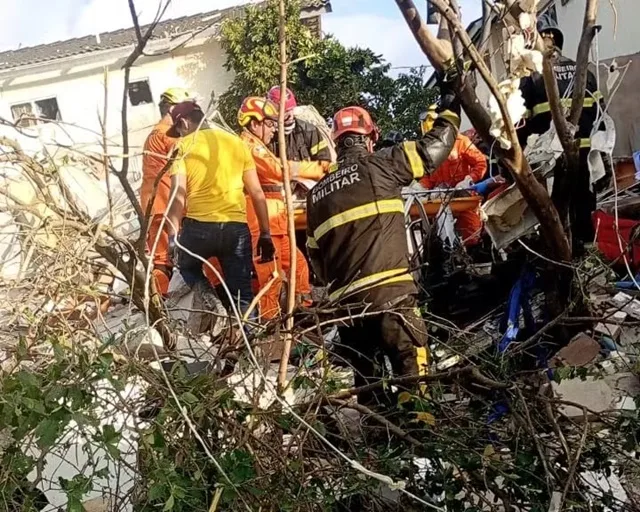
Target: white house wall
[(78, 85)]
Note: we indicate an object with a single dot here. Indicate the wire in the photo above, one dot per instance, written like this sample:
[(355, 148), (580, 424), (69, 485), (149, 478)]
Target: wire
[(400, 485)]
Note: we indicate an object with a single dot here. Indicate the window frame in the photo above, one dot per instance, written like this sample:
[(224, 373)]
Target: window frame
[(47, 120), (30, 119), (35, 119), (137, 80)]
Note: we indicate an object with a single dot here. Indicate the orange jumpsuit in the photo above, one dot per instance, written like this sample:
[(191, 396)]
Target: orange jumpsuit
[(271, 178), (464, 160), (157, 148)]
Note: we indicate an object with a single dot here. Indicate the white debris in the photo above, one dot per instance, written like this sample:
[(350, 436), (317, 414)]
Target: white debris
[(76, 453), (446, 223), (595, 395), (522, 60), (515, 106), (602, 142), (197, 307), (600, 484)]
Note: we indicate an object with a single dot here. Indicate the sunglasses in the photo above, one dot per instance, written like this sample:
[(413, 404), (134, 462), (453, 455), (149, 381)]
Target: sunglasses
[(269, 123)]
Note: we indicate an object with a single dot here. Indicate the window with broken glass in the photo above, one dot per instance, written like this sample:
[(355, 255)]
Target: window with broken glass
[(140, 93), (30, 113)]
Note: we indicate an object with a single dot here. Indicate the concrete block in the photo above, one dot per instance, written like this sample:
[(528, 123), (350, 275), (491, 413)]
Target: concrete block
[(595, 395), (580, 351), (611, 330), (627, 304)]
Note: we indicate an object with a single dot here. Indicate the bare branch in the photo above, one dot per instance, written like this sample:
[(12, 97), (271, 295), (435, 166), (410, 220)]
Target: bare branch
[(142, 41), (291, 227), (582, 61)]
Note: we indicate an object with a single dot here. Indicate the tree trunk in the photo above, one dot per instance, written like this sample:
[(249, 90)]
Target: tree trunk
[(533, 192)]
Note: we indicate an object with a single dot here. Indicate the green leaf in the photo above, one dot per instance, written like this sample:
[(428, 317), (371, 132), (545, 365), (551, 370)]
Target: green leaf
[(34, 405), (189, 398), (169, 504), (109, 434), (156, 491), (47, 432)]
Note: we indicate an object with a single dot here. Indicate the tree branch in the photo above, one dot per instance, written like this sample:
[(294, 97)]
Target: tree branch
[(291, 227), (582, 60), (533, 192), (142, 41)]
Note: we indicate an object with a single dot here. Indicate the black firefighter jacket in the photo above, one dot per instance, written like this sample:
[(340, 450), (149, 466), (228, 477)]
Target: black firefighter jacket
[(355, 217), (304, 143), (538, 116)]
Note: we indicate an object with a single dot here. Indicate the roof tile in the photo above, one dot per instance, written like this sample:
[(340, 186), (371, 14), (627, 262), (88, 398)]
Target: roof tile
[(123, 37)]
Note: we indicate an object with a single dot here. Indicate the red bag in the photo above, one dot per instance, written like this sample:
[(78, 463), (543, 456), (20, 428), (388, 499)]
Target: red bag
[(609, 239)]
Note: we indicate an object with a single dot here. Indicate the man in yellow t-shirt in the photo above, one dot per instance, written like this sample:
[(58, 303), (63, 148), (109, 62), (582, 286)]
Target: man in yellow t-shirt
[(212, 169)]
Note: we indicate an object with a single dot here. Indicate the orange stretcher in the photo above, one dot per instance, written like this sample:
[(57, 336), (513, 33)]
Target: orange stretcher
[(431, 206)]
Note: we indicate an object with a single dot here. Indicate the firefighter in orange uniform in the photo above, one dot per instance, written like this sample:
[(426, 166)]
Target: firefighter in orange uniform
[(258, 118), (157, 150), (465, 160)]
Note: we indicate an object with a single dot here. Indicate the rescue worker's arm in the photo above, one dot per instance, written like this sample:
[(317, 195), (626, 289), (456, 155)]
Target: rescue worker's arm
[(255, 192), (254, 189), (178, 193), (318, 146), (308, 170), (314, 251), (476, 161), (413, 160)]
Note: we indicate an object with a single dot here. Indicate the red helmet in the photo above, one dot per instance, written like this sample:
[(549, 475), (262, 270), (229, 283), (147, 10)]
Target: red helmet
[(256, 108), (290, 102), (354, 120)]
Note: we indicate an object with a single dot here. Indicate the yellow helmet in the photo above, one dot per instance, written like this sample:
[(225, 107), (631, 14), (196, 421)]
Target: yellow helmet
[(427, 119), (175, 95), (257, 108)]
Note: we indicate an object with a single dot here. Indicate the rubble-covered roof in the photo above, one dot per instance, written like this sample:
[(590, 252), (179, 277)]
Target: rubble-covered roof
[(125, 37)]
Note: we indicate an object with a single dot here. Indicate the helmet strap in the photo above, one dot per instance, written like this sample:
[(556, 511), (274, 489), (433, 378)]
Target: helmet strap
[(352, 140), (289, 127)]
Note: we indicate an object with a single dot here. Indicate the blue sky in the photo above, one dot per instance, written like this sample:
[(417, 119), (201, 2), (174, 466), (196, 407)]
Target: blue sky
[(375, 24), (378, 24)]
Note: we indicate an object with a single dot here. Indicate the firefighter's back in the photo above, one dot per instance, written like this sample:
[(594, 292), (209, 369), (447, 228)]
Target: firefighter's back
[(356, 220)]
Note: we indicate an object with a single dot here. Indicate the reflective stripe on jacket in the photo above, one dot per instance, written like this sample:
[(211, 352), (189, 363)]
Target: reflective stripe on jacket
[(355, 217), (305, 142), (538, 117)]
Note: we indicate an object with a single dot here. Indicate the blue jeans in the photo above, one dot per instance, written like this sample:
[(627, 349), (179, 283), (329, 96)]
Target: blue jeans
[(230, 242)]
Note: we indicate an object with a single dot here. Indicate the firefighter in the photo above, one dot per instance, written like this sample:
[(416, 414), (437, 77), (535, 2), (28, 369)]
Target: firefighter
[(357, 241), (464, 161), (259, 117), (303, 140), (538, 121), (157, 149)]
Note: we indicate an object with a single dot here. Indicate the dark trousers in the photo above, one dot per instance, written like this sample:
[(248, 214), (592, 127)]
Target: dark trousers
[(583, 203), (401, 336), (230, 242)]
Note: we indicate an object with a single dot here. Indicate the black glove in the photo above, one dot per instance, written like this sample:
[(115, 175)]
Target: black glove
[(266, 249), (448, 98)]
